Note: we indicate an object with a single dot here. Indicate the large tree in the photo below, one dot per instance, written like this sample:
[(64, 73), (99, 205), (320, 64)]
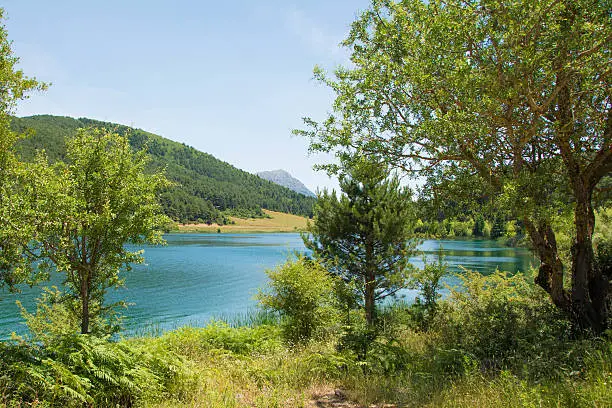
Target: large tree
[(15, 229), (364, 235), (516, 92), (101, 199)]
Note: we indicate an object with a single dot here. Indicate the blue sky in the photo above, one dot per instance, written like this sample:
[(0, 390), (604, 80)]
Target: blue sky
[(228, 78)]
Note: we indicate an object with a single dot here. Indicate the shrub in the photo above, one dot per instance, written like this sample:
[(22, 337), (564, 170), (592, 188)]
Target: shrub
[(302, 291), (487, 229), (428, 282), (57, 316), (507, 322)]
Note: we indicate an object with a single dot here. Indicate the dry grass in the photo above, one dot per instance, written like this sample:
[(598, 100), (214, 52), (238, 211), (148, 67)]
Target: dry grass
[(278, 222)]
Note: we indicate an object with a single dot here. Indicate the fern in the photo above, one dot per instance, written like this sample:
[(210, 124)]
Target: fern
[(77, 370)]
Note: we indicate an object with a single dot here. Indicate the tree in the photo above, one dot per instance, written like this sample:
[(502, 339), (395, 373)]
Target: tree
[(364, 235), (14, 227), (94, 205), (517, 93)]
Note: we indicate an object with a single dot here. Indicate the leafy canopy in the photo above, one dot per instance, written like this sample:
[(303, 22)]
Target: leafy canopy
[(516, 93), (93, 205), (15, 229)]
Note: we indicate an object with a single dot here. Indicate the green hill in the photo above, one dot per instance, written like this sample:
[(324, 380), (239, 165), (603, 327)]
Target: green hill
[(206, 189)]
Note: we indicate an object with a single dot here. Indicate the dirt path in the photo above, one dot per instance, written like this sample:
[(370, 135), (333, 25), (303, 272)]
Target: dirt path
[(337, 398)]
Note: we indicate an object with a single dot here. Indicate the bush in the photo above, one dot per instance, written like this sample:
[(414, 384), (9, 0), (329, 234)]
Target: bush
[(507, 322), (302, 291), (428, 282), (487, 229)]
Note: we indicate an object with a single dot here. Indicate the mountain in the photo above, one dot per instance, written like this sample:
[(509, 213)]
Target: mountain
[(206, 189), (281, 177)]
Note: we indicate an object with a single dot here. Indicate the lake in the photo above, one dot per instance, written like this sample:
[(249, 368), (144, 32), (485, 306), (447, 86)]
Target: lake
[(197, 277)]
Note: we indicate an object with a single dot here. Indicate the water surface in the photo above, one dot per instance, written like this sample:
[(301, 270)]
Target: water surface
[(196, 277)]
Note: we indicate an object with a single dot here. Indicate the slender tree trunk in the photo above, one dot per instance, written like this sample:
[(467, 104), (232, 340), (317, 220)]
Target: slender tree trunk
[(84, 305), (370, 306), (370, 280)]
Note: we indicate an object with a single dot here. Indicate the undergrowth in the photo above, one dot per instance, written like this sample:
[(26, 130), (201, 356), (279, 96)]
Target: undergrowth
[(497, 342)]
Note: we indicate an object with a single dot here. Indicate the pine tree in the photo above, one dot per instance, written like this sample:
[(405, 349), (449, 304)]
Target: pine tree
[(365, 235)]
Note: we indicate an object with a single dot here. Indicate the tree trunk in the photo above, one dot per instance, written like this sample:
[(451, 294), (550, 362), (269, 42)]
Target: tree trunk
[(589, 292), (84, 306), (587, 303), (370, 279), (550, 272), (370, 306), (589, 287)]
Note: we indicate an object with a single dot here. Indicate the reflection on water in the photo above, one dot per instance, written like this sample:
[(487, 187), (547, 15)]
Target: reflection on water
[(478, 255), (198, 276)]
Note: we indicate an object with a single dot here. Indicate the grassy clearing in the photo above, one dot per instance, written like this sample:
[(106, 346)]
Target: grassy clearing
[(277, 222)]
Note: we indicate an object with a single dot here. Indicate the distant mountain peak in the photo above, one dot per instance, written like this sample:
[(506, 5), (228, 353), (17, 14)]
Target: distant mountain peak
[(285, 179)]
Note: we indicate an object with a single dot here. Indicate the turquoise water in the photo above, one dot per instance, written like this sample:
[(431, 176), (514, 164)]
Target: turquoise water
[(196, 277)]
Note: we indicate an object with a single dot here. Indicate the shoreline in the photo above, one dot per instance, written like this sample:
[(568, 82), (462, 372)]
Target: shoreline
[(275, 222), (223, 229)]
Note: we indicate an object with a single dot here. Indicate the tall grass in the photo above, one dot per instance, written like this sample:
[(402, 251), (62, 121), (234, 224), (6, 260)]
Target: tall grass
[(497, 343), (250, 318)]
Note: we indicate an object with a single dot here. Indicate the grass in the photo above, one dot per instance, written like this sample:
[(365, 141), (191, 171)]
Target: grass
[(277, 222), (246, 367), (497, 343), (271, 374), (224, 366)]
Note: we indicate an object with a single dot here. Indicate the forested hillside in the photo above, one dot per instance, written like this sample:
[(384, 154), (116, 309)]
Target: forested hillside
[(205, 187)]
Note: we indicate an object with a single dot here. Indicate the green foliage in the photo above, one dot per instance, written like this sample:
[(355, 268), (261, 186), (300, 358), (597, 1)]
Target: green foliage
[(505, 322), (91, 207), (365, 236), (506, 100), (602, 240), (508, 390), (219, 337), (15, 213), (359, 339), (203, 186), (487, 229), (484, 349), (251, 318), (603, 227), (510, 229), (302, 291), (499, 339), (428, 282), (57, 316), (77, 370), (245, 213), (456, 203)]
